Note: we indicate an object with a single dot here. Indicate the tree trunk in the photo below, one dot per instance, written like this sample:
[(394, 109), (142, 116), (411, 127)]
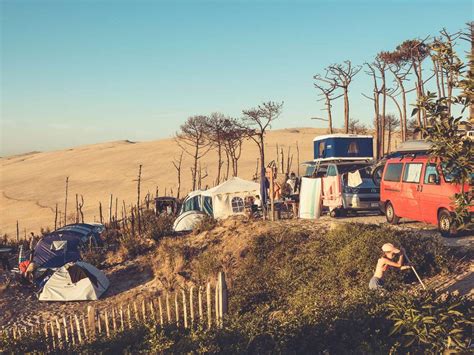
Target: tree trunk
[(377, 126), (346, 109), (219, 163), (194, 171), (384, 111), (65, 201), (263, 189), (328, 105)]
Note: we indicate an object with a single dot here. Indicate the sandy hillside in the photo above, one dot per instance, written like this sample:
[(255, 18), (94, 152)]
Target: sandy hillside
[(32, 184)]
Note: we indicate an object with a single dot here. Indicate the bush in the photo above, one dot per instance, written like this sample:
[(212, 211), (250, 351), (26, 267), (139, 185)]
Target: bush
[(306, 291), (207, 223), (161, 226), (428, 322), (131, 246)]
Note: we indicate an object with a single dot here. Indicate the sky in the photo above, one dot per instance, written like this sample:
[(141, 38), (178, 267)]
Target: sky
[(82, 72)]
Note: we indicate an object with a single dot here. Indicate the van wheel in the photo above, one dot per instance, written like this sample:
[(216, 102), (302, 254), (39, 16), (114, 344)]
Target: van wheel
[(446, 224), (392, 218)]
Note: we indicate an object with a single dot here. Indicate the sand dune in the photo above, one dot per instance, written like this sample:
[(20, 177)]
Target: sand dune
[(32, 184)]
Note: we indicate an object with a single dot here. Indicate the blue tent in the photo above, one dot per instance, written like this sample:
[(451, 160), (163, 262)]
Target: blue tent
[(63, 245)]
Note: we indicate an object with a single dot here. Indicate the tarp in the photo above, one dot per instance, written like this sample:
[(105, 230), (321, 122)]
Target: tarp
[(77, 281), (310, 198)]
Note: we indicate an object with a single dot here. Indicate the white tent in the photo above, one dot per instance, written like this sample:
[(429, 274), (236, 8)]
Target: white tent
[(224, 200), (78, 281), (187, 220)]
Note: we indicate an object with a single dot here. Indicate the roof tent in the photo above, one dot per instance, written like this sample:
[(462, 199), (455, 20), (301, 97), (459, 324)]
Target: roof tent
[(63, 245), (343, 146)]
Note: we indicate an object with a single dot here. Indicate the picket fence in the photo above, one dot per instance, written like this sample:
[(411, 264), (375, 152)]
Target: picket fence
[(181, 308)]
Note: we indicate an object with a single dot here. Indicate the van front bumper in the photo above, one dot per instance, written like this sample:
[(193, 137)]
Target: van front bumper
[(361, 201)]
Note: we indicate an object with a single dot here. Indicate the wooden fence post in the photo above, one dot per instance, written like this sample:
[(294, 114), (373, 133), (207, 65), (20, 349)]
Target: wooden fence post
[(144, 310), (71, 325), (114, 323), (122, 325), (152, 310), (66, 333), (135, 312), (200, 303), (129, 316), (78, 328), (86, 333), (91, 321), (176, 308), (107, 329), (191, 304), (99, 323), (160, 307), (60, 340), (209, 307), (222, 297), (216, 302), (185, 316), (53, 337), (168, 310)]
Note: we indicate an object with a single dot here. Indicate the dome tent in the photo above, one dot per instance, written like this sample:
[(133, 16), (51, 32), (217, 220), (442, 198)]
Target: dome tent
[(77, 281), (63, 245)]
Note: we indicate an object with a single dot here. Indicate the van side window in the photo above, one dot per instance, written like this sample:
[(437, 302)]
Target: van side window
[(393, 172), (431, 170), (412, 172)]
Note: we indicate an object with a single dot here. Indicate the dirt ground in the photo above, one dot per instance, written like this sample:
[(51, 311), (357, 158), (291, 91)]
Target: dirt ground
[(149, 274)]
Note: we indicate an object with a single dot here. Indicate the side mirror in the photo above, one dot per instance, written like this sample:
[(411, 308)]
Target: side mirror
[(433, 179)]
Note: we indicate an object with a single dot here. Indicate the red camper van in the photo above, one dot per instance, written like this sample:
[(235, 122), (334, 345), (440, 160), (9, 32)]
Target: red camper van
[(417, 188)]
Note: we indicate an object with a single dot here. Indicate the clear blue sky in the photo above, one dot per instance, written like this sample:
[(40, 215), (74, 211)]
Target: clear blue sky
[(79, 72)]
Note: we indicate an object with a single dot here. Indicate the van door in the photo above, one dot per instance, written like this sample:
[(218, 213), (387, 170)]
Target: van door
[(430, 194), (391, 186), (410, 191)]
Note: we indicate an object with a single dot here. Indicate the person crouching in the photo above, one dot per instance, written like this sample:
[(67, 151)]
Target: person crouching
[(386, 260)]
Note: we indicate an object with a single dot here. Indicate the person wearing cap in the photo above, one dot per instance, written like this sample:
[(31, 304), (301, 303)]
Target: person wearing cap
[(389, 252)]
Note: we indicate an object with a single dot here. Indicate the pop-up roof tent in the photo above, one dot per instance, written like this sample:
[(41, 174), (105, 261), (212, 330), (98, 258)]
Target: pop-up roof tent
[(343, 147), (221, 201), (76, 281), (63, 245)]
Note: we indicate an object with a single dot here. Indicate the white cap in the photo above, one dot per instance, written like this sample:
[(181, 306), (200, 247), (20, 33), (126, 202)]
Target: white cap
[(389, 248)]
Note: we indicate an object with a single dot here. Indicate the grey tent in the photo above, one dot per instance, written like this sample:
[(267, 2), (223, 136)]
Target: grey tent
[(78, 281)]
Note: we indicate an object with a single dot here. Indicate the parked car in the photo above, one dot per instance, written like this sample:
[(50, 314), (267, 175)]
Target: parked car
[(417, 188), (340, 194)]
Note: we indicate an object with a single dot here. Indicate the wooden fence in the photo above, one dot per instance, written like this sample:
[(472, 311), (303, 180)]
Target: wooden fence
[(184, 308)]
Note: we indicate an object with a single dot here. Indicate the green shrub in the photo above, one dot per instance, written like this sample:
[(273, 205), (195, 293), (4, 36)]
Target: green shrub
[(428, 322)]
